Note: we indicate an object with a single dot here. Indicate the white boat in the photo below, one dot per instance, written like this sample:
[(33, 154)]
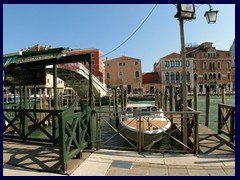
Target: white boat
[(153, 123)]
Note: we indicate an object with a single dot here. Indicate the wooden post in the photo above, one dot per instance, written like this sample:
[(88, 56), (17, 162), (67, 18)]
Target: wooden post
[(207, 106), (116, 106), (122, 98), (109, 103), (157, 99), (166, 100), (100, 103), (195, 97), (223, 95), (171, 98), (125, 99), (196, 137)]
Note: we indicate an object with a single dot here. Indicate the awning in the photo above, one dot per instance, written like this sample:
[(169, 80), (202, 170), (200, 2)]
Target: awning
[(8, 60)]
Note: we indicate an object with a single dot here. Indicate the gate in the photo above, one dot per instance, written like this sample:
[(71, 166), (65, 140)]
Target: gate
[(111, 134)]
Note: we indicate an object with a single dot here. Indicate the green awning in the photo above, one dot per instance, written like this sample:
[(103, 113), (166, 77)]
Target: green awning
[(8, 60)]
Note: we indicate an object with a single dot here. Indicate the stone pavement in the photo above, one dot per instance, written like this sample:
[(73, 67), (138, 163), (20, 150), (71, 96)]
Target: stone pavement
[(127, 163)]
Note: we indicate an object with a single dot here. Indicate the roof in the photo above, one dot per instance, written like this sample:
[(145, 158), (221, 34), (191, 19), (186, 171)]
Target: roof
[(172, 55), (152, 77), (123, 58), (82, 51)]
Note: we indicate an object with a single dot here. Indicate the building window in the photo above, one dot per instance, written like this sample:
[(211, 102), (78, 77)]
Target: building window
[(194, 66), (187, 63), (172, 63), (136, 63), (108, 76), (137, 75), (219, 65), (214, 67), (172, 76), (47, 80), (120, 75), (210, 76), (124, 64), (204, 65), (210, 66), (92, 55), (166, 63), (229, 76), (214, 76), (92, 62), (120, 64), (167, 76), (219, 76), (195, 77), (205, 76), (177, 63), (228, 65), (177, 76)]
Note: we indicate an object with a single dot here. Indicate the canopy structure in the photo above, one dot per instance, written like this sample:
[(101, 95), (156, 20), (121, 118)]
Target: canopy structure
[(23, 69)]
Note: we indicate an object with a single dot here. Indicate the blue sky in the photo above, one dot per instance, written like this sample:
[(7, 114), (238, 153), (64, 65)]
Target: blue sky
[(106, 26)]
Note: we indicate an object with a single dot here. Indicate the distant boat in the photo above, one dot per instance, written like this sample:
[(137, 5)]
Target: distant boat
[(153, 123)]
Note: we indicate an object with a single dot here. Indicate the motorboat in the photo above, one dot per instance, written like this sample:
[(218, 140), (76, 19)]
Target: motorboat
[(146, 117)]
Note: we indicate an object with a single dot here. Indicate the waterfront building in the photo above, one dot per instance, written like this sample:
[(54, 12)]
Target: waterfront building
[(169, 69), (211, 67), (124, 72), (150, 82)]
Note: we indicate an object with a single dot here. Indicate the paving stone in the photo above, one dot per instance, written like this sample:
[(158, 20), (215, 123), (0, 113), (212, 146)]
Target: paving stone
[(177, 171), (158, 171), (113, 171), (215, 171), (196, 171), (230, 171)]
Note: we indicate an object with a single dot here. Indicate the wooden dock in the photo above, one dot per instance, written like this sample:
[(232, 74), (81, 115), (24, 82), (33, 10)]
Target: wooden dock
[(46, 157), (210, 143)]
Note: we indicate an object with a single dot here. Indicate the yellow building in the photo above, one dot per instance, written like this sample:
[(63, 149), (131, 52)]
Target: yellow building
[(124, 71)]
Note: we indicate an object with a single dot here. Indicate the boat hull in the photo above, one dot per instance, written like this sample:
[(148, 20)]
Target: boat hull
[(146, 139)]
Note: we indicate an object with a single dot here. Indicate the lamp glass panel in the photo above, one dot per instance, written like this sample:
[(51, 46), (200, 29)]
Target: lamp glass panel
[(187, 7)]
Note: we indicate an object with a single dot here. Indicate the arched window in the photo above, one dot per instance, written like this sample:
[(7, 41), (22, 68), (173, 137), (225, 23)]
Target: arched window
[(195, 77), (214, 76), (137, 74), (205, 76), (219, 65), (214, 66), (167, 76), (219, 76), (210, 66), (210, 76), (172, 76), (177, 76)]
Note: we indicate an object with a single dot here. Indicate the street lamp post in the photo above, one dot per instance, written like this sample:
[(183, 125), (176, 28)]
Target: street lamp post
[(187, 12)]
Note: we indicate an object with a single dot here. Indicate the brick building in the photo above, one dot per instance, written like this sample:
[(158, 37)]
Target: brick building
[(150, 82), (211, 67)]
